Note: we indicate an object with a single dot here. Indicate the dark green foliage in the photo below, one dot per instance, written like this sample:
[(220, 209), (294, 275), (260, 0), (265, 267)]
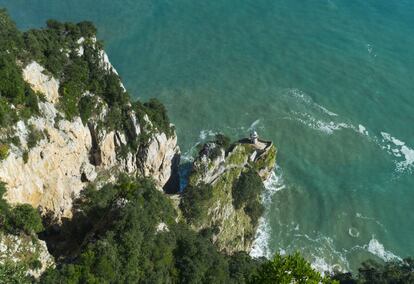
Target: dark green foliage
[(246, 193), (87, 107), (13, 90), (195, 201), (4, 151), (117, 242), (26, 218), (198, 262), (34, 136), (220, 142), (10, 36), (22, 218), (13, 273), (242, 266), (11, 80), (288, 269), (25, 156), (157, 114), (374, 272)]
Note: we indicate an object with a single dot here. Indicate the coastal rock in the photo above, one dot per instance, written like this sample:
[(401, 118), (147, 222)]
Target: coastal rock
[(35, 75), (69, 154), (159, 160), (232, 228)]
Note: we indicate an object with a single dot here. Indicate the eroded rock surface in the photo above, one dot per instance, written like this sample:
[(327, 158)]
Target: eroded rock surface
[(69, 154)]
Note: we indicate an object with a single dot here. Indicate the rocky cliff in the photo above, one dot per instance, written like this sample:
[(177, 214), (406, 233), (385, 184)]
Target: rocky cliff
[(219, 171), (55, 157), (68, 123)]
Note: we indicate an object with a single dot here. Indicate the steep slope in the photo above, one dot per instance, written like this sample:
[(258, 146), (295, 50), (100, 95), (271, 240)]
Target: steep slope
[(75, 136), (222, 196)]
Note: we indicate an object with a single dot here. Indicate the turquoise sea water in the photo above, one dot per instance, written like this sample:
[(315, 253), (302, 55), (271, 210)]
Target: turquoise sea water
[(330, 81)]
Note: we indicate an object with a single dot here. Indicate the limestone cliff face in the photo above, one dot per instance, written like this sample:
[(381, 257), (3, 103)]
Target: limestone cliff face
[(232, 228), (57, 158)]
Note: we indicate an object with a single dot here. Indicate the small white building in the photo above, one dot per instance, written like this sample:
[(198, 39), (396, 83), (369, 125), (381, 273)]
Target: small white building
[(254, 137)]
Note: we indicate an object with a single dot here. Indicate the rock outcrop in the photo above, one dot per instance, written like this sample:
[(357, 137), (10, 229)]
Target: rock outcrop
[(29, 252), (233, 229), (57, 157)]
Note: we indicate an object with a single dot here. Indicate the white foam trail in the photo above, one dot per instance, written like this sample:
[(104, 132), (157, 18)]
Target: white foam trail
[(399, 149), (320, 265), (260, 245), (376, 248), (320, 125), (308, 100), (253, 125), (204, 134), (362, 130), (353, 232)]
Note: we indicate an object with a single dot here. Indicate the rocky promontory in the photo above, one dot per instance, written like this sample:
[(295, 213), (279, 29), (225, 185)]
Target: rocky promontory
[(225, 183), (76, 151)]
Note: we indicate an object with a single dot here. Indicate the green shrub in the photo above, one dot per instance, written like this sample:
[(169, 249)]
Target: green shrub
[(195, 200), (4, 151), (34, 136), (25, 157), (288, 269), (157, 113), (246, 193), (394, 271), (12, 85), (248, 187), (25, 218), (13, 273)]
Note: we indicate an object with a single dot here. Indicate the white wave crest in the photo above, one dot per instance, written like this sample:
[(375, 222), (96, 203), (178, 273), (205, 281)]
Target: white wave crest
[(260, 245), (320, 265), (400, 150), (204, 134), (362, 130), (308, 100), (327, 127), (376, 248)]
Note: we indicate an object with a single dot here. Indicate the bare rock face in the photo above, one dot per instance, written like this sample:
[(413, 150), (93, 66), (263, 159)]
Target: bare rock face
[(160, 159), (48, 175), (40, 82), (68, 155)]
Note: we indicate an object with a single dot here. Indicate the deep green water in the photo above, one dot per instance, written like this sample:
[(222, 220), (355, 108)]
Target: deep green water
[(331, 82)]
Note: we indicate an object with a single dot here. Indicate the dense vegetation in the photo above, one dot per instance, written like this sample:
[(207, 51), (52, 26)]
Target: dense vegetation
[(195, 201), (71, 54), (17, 100), (119, 240), (381, 273), (246, 194), (20, 218)]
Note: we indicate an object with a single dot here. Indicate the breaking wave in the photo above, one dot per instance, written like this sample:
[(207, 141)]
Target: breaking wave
[(377, 249), (261, 243), (319, 118)]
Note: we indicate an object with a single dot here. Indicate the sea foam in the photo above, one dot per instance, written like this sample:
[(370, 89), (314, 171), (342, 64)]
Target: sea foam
[(399, 149), (261, 243), (376, 248)]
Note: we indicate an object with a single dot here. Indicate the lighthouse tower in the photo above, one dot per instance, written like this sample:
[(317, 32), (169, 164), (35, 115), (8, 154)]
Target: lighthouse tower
[(254, 137)]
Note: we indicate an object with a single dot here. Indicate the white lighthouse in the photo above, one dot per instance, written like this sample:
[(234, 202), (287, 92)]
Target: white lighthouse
[(254, 137)]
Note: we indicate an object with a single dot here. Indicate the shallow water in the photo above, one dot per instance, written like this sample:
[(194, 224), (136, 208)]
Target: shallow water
[(330, 82)]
